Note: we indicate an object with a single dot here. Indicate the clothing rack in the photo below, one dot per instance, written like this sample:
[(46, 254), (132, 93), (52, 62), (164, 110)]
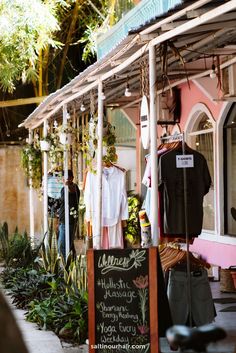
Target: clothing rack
[(167, 139)]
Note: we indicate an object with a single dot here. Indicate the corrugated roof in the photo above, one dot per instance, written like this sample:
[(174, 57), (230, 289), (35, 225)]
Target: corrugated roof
[(146, 11)]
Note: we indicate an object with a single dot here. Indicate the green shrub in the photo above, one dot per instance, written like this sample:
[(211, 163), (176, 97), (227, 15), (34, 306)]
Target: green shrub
[(132, 231), (26, 284), (16, 249), (53, 291), (63, 313)]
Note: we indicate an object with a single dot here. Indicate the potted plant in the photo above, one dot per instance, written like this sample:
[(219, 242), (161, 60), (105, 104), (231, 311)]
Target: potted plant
[(45, 143), (66, 134), (90, 144), (55, 154), (31, 162)]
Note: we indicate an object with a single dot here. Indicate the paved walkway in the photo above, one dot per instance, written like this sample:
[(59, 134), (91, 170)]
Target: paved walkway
[(39, 341)]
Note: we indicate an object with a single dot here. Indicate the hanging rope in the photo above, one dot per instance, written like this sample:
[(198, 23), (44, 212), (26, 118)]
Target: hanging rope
[(144, 77)]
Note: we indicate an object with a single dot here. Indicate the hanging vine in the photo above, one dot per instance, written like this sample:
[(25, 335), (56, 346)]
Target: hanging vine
[(31, 162), (90, 144)]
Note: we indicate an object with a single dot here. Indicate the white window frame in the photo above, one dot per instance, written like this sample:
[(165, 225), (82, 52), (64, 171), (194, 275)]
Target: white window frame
[(222, 237), (194, 118)]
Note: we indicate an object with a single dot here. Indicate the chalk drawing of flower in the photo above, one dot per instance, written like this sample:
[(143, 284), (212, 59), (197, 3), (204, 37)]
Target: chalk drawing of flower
[(143, 329), (138, 257), (141, 283)]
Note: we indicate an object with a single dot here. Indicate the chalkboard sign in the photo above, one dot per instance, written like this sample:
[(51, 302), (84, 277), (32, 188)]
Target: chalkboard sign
[(123, 300)]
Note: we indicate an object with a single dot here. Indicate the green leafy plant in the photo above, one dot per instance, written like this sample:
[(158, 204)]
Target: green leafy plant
[(66, 129), (55, 154), (90, 143), (50, 259), (17, 250), (64, 313), (31, 162), (53, 292), (65, 310), (133, 231), (26, 284), (75, 273)]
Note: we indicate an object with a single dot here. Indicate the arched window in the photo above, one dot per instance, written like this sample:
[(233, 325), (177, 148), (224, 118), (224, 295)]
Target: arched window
[(230, 172), (200, 138)]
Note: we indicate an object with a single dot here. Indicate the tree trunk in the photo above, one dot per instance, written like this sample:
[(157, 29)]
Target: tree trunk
[(67, 44)]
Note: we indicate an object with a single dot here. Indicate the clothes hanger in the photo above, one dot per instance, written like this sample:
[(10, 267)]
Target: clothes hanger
[(118, 167), (170, 257)]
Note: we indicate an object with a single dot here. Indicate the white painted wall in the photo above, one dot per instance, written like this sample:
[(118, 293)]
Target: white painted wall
[(127, 160)]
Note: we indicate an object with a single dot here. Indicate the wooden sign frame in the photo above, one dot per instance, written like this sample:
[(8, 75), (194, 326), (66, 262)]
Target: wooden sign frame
[(153, 299)]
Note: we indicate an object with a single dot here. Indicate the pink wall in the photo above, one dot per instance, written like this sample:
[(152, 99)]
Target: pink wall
[(223, 255), (190, 97), (220, 254)]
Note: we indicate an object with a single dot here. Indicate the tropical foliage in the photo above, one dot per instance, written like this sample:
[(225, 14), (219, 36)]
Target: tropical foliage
[(26, 28), (133, 231), (90, 143), (31, 162), (53, 292), (38, 37)]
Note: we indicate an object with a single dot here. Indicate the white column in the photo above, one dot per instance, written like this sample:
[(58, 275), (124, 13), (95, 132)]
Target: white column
[(80, 156), (153, 149), (98, 227), (66, 194), (45, 184), (31, 196)]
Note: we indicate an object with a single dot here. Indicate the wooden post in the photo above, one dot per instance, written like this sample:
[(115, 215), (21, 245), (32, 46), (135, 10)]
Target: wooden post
[(91, 299), (153, 300), (66, 194), (31, 195), (98, 210), (45, 184)]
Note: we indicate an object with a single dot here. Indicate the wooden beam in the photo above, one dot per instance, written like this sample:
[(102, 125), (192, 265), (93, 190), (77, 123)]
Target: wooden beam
[(21, 101), (203, 28), (147, 37), (198, 12), (192, 24), (175, 16)]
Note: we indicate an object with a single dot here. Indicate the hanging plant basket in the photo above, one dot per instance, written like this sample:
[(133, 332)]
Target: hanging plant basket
[(66, 138), (45, 145)]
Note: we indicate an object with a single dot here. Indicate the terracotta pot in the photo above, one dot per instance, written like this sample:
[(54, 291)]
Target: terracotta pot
[(233, 274)]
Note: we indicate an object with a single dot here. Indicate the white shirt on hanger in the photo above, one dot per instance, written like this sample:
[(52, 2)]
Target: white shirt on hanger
[(114, 197)]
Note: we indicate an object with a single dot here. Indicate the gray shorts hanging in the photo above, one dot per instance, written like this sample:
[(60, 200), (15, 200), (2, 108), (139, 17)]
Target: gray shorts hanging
[(203, 310)]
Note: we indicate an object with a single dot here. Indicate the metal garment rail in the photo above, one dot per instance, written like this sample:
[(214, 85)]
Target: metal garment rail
[(168, 139)]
